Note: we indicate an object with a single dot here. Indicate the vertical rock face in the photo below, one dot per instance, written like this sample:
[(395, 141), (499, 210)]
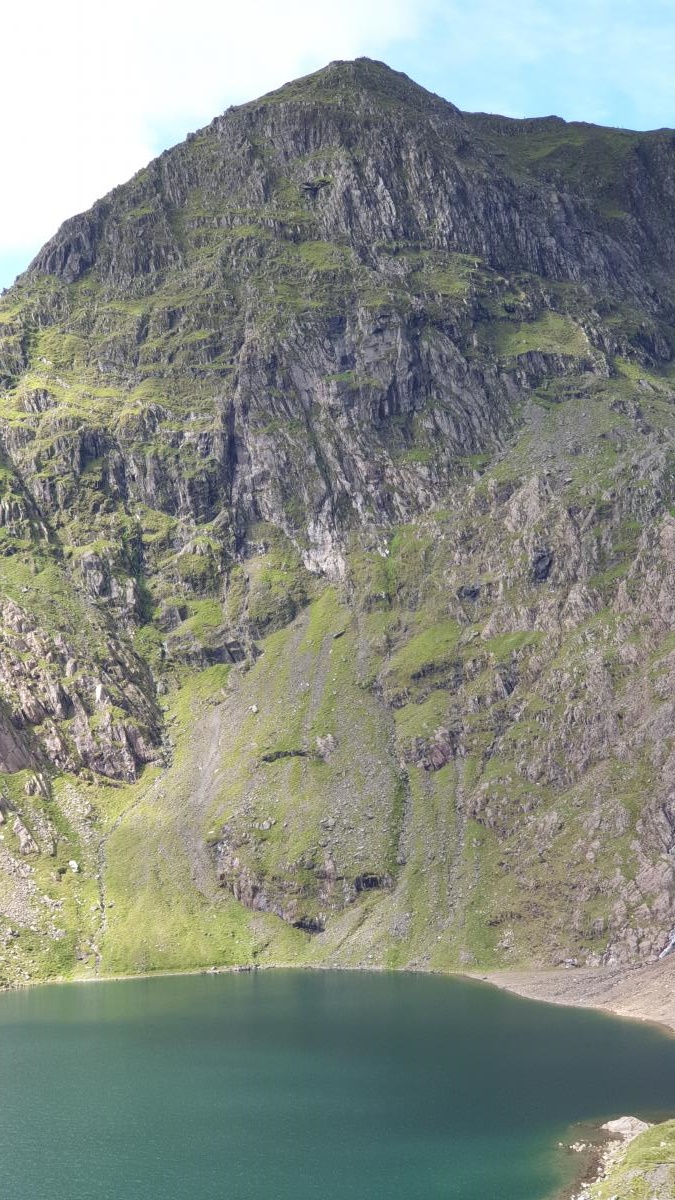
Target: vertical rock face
[(350, 342)]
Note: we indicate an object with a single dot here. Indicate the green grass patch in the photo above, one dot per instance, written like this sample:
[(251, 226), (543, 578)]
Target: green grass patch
[(425, 654), (550, 333)]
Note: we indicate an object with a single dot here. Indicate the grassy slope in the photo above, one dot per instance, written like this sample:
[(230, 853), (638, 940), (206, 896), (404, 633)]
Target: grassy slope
[(167, 911), (644, 1171)]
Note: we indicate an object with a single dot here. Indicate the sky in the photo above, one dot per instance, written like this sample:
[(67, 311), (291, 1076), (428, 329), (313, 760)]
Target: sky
[(91, 92)]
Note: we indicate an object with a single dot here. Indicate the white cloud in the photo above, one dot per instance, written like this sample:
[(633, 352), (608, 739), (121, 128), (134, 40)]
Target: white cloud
[(95, 90)]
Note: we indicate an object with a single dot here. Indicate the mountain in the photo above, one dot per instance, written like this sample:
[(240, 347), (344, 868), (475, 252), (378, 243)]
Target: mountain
[(337, 523)]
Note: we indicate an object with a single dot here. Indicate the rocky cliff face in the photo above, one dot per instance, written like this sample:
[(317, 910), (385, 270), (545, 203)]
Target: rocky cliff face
[(336, 514)]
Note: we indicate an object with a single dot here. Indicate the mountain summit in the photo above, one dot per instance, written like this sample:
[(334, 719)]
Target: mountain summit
[(336, 515)]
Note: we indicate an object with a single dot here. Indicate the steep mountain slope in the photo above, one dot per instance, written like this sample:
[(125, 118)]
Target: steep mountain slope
[(338, 547)]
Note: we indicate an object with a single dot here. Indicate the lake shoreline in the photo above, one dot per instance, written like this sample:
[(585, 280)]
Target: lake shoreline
[(613, 1140), (644, 993), (591, 1162), (639, 993)]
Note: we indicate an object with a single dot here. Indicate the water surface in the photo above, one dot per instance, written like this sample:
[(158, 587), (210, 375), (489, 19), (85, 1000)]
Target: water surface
[(293, 1086)]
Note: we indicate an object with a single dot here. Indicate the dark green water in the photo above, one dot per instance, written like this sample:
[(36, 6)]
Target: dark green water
[(293, 1086)]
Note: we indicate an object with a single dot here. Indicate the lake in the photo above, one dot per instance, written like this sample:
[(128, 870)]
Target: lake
[(296, 1085)]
